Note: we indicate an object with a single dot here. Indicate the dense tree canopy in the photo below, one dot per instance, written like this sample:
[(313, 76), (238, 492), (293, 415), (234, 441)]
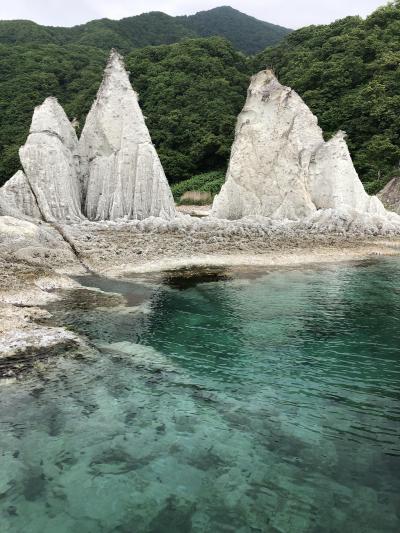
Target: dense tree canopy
[(247, 34), (191, 93), (349, 74)]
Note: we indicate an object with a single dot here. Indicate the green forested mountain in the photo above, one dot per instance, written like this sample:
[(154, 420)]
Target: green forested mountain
[(191, 91), (349, 74), (247, 34)]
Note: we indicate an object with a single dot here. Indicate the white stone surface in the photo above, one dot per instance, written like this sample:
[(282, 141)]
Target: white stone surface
[(49, 163), (16, 195), (14, 227), (121, 173), (334, 182), (280, 165)]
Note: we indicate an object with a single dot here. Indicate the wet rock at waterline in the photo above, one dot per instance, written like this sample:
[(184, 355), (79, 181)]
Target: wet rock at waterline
[(122, 175), (49, 163), (280, 165)]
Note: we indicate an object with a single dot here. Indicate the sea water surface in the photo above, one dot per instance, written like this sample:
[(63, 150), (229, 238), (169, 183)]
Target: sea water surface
[(214, 401)]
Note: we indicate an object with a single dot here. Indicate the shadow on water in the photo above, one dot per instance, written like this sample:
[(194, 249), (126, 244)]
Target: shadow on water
[(187, 278)]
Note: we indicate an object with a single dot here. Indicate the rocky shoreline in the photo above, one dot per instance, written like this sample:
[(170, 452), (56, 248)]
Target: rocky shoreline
[(37, 261), (101, 204)]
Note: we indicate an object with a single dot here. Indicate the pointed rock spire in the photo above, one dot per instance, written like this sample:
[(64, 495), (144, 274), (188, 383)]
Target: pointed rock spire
[(280, 165), (48, 161), (121, 173)]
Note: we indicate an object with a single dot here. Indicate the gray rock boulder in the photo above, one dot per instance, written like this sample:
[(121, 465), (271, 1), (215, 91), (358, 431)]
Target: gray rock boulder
[(17, 197), (48, 158), (390, 195), (121, 173), (280, 165), (334, 182)]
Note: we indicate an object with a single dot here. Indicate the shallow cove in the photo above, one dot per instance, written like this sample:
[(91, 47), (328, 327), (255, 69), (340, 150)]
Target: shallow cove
[(227, 402)]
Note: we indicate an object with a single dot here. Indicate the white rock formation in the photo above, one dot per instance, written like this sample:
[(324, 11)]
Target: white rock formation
[(122, 176), (48, 161), (280, 165), (334, 182), (16, 196)]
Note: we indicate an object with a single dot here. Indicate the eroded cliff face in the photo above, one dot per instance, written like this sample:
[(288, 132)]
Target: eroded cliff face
[(334, 182), (280, 165), (48, 161), (121, 173)]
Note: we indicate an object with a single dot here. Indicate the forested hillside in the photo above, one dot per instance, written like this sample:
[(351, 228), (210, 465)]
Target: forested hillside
[(191, 93), (349, 74), (247, 34)]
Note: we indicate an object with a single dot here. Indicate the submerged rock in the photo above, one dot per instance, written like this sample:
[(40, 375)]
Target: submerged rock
[(280, 165), (16, 197), (122, 175), (48, 161), (390, 195)]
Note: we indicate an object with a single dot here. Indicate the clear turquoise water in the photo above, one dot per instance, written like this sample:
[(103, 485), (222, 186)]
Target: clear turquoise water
[(228, 403)]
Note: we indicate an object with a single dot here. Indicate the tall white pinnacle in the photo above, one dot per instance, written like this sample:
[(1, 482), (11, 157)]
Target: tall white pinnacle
[(121, 173), (48, 161), (280, 165)]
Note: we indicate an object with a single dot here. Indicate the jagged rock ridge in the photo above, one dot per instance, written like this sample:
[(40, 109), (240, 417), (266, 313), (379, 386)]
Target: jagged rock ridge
[(113, 173), (121, 173), (280, 165)]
